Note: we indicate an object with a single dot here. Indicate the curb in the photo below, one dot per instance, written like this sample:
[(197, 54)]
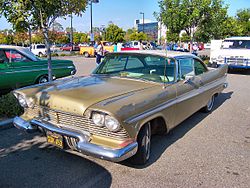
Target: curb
[(6, 124)]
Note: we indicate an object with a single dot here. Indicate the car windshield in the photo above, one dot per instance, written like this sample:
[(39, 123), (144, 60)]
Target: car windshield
[(236, 44), (29, 54), (138, 66)]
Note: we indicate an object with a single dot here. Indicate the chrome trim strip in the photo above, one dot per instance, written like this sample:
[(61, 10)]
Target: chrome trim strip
[(36, 70), (176, 100), (83, 146)]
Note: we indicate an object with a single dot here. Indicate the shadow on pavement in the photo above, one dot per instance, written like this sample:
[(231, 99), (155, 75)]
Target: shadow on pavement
[(27, 161), (161, 142)]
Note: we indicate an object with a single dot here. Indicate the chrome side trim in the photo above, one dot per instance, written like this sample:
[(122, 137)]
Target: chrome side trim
[(186, 96), (35, 70), (83, 146)]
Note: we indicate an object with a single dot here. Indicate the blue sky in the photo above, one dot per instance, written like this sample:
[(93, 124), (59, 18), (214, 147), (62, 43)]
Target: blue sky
[(124, 12)]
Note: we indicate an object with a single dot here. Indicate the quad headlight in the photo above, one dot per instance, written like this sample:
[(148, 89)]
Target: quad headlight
[(98, 119), (23, 101), (110, 122)]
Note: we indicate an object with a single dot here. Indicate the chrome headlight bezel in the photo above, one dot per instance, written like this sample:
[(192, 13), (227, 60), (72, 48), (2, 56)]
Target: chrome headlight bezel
[(21, 99), (24, 101), (112, 123), (102, 119), (98, 119)]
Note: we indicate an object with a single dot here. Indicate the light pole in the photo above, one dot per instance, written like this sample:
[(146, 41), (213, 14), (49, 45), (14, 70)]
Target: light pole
[(71, 29), (142, 21), (91, 19)]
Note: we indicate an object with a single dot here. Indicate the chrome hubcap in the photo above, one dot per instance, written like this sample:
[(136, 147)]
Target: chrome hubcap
[(210, 103), (43, 80), (148, 142)]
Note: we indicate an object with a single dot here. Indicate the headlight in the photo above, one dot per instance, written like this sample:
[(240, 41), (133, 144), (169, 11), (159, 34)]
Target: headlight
[(30, 102), (22, 101), (111, 123), (98, 119), (101, 119)]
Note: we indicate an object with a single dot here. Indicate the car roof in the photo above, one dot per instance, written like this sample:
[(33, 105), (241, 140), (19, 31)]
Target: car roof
[(163, 53), (20, 49), (11, 46)]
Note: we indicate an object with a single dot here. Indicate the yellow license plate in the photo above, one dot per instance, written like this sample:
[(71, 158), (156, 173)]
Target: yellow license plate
[(55, 139)]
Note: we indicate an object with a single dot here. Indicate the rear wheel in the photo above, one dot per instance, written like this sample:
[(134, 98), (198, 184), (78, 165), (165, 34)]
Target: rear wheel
[(210, 105), (40, 54), (86, 54), (43, 79), (144, 146)]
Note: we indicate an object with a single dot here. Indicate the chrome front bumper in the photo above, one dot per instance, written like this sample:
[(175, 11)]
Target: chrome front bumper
[(85, 147)]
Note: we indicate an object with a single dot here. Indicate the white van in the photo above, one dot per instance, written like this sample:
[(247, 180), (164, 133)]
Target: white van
[(38, 49), (234, 51)]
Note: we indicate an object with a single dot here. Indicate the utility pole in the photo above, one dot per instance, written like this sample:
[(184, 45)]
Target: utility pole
[(91, 19), (71, 30)]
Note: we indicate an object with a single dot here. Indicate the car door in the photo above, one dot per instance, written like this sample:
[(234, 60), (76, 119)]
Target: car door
[(24, 70), (187, 87), (206, 77)]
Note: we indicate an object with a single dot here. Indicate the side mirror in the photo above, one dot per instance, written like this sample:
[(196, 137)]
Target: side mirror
[(189, 78)]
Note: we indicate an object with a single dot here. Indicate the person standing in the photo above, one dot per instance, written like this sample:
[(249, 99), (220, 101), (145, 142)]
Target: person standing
[(99, 53)]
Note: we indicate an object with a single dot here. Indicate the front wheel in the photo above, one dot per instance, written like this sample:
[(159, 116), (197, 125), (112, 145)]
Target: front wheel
[(144, 146), (43, 79), (209, 106)]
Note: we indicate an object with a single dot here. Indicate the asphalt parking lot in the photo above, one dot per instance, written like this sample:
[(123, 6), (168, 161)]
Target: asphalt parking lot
[(206, 150)]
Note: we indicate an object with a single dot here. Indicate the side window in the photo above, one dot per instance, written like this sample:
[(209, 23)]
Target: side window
[(133, 63), (40, 46), (3, 57), (199, 68), (155, 60), (186, 67), (15, 56)]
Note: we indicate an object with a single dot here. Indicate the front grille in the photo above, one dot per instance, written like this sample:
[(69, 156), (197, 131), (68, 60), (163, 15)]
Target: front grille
[(237, 61), (74, 122)]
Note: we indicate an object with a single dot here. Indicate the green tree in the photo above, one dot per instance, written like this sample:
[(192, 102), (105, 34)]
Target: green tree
[(80, 37), (68, 29), (138, 36), (185, 37), (42, 14), (38, 38), (20, 38), (114, 33), (243, 17), (62, 39), (189, 15), (56, 26)]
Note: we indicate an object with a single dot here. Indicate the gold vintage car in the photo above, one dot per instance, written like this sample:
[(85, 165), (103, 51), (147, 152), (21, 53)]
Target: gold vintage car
[(112, 113)]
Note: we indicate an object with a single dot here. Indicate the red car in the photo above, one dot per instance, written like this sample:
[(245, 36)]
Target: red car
[(70, 47)]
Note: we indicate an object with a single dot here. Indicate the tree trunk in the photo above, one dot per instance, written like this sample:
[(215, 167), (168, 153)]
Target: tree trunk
[(191, 40), (30, 37), (47, 43)]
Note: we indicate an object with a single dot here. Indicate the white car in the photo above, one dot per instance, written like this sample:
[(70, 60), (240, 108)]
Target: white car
[(234, 51), (38, 49)]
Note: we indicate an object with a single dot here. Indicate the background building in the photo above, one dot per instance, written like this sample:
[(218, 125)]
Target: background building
[(155, 30)]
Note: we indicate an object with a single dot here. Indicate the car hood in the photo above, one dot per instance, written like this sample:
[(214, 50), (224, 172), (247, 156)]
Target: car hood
[(77, 94)]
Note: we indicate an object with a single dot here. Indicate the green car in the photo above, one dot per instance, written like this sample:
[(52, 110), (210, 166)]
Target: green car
[(19, 67)]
